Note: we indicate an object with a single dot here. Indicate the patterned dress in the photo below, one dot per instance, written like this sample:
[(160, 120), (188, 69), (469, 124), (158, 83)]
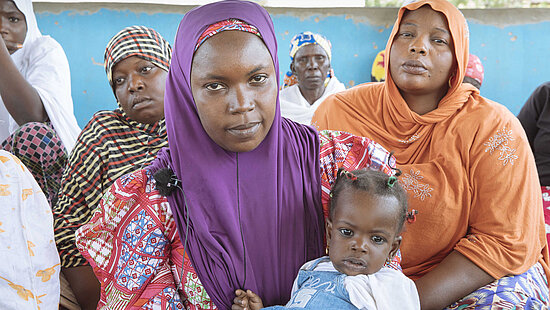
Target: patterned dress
[(136, 252)]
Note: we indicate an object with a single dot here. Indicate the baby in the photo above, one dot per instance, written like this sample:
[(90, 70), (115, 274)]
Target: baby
[(367, 213)]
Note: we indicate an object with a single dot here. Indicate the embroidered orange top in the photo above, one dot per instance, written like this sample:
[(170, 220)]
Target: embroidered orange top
[(467, 167)]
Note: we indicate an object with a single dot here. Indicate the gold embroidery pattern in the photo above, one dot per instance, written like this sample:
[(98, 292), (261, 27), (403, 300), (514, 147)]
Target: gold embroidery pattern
[(26, 193), (47, 273), (410, 182), (500, 142), (4, 190), (29, 246)]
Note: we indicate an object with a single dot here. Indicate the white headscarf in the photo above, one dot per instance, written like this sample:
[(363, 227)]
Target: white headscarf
[(44, 65)]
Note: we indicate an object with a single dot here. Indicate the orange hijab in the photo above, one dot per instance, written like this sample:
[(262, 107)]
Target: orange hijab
[(467, 166)]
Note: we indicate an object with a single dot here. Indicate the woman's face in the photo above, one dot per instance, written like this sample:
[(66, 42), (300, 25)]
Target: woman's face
[(422, 53), (311, 66), (139, 87), (13, 26), (234, 86)]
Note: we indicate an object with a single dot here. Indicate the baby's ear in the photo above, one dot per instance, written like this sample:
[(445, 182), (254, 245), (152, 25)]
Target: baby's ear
[(328, 230), (394, 247)]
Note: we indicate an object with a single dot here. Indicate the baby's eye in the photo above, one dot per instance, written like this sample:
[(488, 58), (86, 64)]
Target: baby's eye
[(346, 232), (378, 239), (260, 78), (214, 86)]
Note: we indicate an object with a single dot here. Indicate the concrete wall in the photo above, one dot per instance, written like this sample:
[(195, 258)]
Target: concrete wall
[(512, 43)]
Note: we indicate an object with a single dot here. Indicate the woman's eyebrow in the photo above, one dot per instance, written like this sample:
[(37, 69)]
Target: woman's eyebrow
[(256, 69), (442, 30)]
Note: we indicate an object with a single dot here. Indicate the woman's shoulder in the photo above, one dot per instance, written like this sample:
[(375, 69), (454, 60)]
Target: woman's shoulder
[(482, 109), (46, 46), (353, 96)]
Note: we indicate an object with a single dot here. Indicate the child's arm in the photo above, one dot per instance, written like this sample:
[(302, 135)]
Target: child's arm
[(246, 301)]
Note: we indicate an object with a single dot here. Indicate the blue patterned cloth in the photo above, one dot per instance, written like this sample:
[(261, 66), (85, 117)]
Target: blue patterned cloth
[(528, 290)]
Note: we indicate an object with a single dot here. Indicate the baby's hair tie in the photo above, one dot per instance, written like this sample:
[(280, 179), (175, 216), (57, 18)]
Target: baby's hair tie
[(391, 181), (398, 171), (411, 216)]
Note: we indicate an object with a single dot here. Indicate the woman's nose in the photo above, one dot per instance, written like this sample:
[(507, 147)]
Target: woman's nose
[(418, 46), (243, 101), (135, 83)]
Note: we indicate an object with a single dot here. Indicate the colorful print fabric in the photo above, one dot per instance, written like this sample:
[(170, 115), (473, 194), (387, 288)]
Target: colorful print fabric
[(132, 243), (29, 273)]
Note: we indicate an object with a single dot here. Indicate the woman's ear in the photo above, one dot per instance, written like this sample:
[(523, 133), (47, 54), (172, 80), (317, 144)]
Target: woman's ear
[(292, 69), (394, 247)]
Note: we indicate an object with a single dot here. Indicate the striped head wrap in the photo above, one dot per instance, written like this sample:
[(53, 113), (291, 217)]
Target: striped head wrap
[(228, 24), (378, 71), (474, 69), (138, 41), (300, 40)]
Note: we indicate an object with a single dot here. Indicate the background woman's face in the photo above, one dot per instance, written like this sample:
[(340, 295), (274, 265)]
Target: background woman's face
[(234, 86), (13, 26), (139, 87), (422, 53)]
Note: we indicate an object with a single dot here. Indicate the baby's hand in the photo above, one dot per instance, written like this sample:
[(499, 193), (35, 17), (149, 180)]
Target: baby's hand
[(246, 301)]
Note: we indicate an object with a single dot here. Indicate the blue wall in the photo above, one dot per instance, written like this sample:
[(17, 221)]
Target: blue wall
[(515, 57)]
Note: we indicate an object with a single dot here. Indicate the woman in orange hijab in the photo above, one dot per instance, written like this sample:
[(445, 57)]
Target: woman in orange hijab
[(478, 240)]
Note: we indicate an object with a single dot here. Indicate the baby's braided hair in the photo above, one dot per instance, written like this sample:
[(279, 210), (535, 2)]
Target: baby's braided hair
[(374, 182)]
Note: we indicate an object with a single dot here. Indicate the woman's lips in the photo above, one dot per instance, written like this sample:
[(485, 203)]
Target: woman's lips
[(245, 130), (141, 103), (414, 67)]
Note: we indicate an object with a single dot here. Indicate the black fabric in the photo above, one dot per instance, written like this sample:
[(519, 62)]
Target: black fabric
[(535, 119)]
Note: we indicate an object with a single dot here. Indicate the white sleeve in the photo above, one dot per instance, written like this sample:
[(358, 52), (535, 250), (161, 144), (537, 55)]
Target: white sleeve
[(385, 290), (48, 72)]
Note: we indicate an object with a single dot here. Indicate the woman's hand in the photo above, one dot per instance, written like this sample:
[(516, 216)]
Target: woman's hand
[(246, 301)]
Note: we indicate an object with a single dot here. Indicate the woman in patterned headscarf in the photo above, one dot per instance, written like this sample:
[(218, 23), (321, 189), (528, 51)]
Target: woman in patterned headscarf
[(479, 239), (114, 143), (310, 79)]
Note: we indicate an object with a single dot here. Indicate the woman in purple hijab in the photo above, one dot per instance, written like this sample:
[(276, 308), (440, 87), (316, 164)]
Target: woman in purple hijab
[(237, 201)]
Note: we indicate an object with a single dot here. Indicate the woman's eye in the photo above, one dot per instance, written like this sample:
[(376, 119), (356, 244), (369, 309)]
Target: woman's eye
[(214, 86), (13, 19), (259, 78), (405, 34), (346, 232), (378, 239), (440, 41), (118, 81), (146, 69)]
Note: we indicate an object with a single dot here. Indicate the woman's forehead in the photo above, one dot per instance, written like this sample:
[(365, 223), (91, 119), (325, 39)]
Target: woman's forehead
[(231, 44)]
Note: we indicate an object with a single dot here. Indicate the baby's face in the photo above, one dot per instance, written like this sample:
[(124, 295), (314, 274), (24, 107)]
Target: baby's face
[(362, 234)]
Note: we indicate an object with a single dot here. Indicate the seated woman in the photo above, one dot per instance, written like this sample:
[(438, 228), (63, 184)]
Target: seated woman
[(478, 241), (239, 187), (535, 119), (113, 143), (29, 273), (310, 79), (37, 123)]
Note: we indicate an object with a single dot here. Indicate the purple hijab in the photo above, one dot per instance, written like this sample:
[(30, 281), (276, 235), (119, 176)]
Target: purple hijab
[(272, 194)]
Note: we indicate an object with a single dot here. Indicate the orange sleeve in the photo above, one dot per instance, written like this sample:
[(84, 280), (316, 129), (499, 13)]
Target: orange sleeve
[(506, 228)]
